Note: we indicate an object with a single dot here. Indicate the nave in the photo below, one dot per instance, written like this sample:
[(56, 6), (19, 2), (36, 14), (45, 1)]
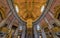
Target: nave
[(29, 18)]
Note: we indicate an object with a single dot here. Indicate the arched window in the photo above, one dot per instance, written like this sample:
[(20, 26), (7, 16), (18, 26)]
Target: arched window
[(42, 8), (16, 8)]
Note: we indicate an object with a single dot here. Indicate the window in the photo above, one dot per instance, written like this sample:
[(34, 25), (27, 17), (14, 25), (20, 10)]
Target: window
[(38, 27), (20, 28), (42, 8), (17, 8)]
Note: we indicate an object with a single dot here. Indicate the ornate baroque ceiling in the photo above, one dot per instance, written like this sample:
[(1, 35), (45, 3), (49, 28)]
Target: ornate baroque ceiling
[(29, 9), (7, 10)]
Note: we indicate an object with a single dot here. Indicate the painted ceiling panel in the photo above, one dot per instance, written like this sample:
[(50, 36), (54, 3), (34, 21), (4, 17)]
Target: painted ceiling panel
[(54, 4), (5, 6)]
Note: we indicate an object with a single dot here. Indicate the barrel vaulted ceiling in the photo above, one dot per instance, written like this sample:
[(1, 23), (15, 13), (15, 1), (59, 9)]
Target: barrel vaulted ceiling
[(9, 12)]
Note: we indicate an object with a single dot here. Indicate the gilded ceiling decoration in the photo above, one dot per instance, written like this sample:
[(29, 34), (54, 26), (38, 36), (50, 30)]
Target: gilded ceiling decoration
[(29, 9), (30, 12)]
